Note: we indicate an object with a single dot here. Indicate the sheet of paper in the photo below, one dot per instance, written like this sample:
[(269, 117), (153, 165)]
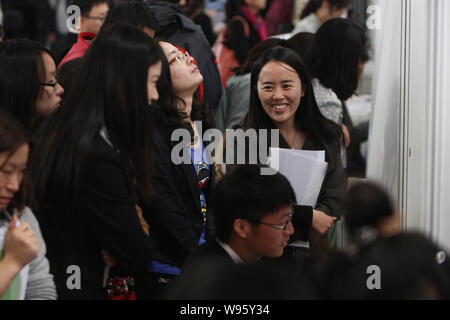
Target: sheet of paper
[(305, 173), (316, 155)]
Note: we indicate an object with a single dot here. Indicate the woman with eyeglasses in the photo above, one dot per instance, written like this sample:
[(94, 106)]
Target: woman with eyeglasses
[(180, 220), (24, 269), (29, 89), (92, 167)]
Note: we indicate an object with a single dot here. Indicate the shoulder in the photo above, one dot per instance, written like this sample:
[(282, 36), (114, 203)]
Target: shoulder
[(238, 21), (240, 82), (26, 215), (324, 95), (209, 250), (101, 148)]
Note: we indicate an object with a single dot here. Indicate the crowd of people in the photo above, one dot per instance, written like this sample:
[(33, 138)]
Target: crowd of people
[(95, 205)]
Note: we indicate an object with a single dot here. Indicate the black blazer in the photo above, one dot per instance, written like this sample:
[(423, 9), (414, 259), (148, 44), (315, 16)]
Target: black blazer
[(209, 250), (106, 218), (175, 217)]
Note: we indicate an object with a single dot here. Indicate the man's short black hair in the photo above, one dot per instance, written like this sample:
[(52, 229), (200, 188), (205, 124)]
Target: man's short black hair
[(136, 13), (244, 193), (86, 5)]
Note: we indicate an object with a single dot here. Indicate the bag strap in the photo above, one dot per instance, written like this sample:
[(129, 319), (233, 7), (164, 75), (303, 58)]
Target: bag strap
[(245, 23)]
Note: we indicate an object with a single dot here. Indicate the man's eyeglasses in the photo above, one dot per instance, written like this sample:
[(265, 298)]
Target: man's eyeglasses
[(276, 226), (180, 58)]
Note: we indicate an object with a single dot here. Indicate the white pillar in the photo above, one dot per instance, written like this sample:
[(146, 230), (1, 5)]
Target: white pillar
[(418, 171)]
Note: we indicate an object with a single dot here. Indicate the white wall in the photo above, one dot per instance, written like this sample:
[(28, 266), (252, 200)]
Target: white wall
[(411, 154)]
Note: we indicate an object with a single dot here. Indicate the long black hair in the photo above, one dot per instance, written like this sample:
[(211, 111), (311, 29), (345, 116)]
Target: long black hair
[(334, 56), (22, 69), (12, 137), (323, 132), (111, 92)]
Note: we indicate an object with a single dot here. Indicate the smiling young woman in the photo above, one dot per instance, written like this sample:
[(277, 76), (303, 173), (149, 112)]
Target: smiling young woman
[(282, 98)]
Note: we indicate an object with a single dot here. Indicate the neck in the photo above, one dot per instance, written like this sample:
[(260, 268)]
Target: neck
[(322, 14), (239, 247), (287, 128), (186, 106)]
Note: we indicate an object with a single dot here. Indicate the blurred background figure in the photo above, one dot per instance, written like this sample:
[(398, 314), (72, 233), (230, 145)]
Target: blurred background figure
[(248, 11), (300, 42), (2, 33), (406, 266), (245, 29), (336, 58), (195, 9), (279, 16), (31, 19), (216, 10), (93, 14), (317, 12), (370, 213), (212, 279)]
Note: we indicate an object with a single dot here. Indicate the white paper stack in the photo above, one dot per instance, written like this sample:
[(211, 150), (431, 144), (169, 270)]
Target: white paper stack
[(305, 170)]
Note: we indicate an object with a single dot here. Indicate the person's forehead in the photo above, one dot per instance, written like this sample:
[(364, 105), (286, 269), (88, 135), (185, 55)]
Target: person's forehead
[(279, 70), (99, 8), (280, 213), (169, 48)]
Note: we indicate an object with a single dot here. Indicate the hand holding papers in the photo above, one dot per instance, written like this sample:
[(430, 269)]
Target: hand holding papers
[(304, 169)]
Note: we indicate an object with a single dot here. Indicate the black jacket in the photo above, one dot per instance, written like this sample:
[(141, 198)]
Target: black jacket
[(106, 218), (209, 250), (179, 30), (175, 217)]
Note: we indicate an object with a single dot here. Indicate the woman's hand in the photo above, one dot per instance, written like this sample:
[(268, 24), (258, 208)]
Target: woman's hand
[(321, 222), (108, 259), (346, 136), (21, 245)]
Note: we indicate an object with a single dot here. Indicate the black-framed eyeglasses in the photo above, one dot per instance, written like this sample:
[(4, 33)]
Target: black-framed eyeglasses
[(49, 84), (276, 226)]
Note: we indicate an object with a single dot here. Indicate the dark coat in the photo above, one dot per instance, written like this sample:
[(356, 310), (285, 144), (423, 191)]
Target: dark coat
[(175, 217), (105, 218)]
